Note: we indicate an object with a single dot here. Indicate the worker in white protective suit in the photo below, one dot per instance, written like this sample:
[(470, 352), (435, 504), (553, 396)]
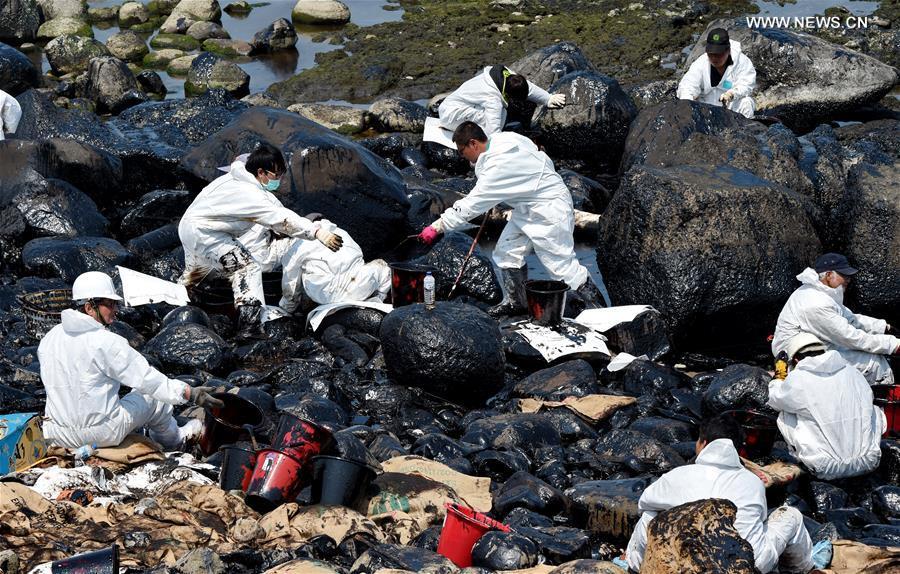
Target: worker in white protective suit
[(336, 277), (817, 307), (512, 170), (723, 76), (718, 473), (82, 367), (230, 227), (485, 98), (10, 114), (826, 412)]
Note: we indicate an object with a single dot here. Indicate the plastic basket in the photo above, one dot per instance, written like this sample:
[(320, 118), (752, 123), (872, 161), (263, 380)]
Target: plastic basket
[(42, 309)]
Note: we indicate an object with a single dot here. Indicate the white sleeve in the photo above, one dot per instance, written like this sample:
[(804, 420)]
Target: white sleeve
[(785, 396), (279, 219), (131, 369), (538, 94), (491, 189), (493, 114), (12, 113), (830, 325), (868, 324), (744, 78), (691, 84)]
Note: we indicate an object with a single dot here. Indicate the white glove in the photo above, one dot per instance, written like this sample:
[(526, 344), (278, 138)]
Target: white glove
[(726, 98), (556, 101), (328, 239)]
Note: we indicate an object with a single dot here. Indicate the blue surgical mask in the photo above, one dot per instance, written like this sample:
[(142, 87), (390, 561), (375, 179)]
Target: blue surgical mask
[(272, 185)]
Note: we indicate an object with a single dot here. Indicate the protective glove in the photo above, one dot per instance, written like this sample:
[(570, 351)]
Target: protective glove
[(328, 239), (727, 98), (200, 396), (822, 553), (428, 235), (620, 562), (556, 101), (781, 366)]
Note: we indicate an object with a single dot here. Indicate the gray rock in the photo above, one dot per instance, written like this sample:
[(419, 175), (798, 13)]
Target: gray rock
[(132, 13), (201, 31), (103, 14), (187, 12), (279, 35), (593, 124), (181, 66), (127, 46), (795, 73), (690, 228), (320, 12), (17, 72), (71, 53), (112, 85), (343, 119), (62, 26), (545, 66), (19, 21), (63, 9), (397, 115), (261, 99), (209, 71)]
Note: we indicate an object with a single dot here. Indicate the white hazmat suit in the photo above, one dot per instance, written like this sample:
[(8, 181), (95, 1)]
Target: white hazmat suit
[(337, 276), (718, 474), (228, 228), (10, 114), (818, 309), (739, 77), (827, 417), (82, 367), (479, 100), (515, 172)]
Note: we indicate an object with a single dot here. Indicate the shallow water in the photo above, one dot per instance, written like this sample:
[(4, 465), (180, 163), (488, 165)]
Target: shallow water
[(802, 8), (264, 69)]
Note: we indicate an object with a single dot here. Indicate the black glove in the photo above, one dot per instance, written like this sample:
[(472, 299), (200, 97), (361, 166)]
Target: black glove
[(200, 396)]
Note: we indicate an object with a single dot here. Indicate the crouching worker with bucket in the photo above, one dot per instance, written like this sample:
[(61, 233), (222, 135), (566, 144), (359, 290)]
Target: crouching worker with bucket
[(83, 364), (512, 170)]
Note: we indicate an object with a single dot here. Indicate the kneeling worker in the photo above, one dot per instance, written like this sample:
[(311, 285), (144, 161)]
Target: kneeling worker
[(723, 76), (827, 416), (718, 473), (82, 367)]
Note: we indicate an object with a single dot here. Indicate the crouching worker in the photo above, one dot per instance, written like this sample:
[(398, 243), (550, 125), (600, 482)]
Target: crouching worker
[(723, 76), (339, 277), (827, 416), (718, 473), (510, 169), (228, 229), (82, 367)]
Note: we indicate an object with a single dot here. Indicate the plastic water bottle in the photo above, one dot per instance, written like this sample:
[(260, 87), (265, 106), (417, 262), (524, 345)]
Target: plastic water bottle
[(429, 290), (85, 451)]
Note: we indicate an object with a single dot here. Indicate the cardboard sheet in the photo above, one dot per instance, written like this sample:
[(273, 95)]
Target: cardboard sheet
[(594, 408)]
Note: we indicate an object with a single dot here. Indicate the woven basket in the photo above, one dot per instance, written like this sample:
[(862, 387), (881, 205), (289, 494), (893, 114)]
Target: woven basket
[(42, 309)]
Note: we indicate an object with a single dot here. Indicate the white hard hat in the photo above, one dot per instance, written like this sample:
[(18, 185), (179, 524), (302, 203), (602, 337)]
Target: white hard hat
[(805, 342), (94, 285)]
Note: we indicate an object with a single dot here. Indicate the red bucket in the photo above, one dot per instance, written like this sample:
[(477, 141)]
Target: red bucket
[(301, 438), (237, 468), (225, 425), (888, 398), (759, 433), (462, 529), (277, 478)]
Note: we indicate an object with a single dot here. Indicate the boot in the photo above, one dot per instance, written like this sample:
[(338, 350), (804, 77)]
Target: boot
[(250, 323), (591, 295), (513, 283)]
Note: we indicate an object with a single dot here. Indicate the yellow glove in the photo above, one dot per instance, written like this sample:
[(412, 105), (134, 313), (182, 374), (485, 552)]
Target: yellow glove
[(781, 366)]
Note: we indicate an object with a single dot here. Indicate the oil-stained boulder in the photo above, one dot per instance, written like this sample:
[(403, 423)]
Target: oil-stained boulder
[(545, 66), (183, 347), (737, 387), (478, 280), (497, 550), (17, 72), (608, 507), (574, 378), (68, 258)]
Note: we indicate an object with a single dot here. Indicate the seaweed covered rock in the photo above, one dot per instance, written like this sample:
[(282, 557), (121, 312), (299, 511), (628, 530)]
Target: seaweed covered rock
[(72, 53), (453, 350), (209, 71), (697, 538), (334, 176), (689, 226), (183, 347), (596, 117)]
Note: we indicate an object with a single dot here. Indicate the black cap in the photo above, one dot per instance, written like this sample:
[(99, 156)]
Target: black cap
[(717, 41), (834, 262)]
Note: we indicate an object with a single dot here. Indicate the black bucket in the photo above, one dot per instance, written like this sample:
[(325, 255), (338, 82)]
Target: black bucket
[(759, 433), (237, 468), (408, 283), (104, 561), (340, 481), (546, 301), (226, 425)]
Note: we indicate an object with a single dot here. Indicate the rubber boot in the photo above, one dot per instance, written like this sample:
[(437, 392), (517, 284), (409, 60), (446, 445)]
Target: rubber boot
[(591, 295), (250, 323), (513, 283)]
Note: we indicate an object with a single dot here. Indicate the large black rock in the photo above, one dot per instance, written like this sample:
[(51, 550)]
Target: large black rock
[(17, 73), (329, 174), (545, 66), (737, 387), (184, 347), (795, 73), (639, 451), (19, 20), (504, 551), (68, 258), (644, 335), (452, 350), (568, 379), (593, 124), (478, 281), (112, 85), (719, 248), (154, 209), (55, 207), (523, 490), (403, 558), (608, 507), (526, 431)]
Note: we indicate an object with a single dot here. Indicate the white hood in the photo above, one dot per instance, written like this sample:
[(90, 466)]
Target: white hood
[(720, 452), (239, 172), (75, 322), (824, 365), (810, 277)]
